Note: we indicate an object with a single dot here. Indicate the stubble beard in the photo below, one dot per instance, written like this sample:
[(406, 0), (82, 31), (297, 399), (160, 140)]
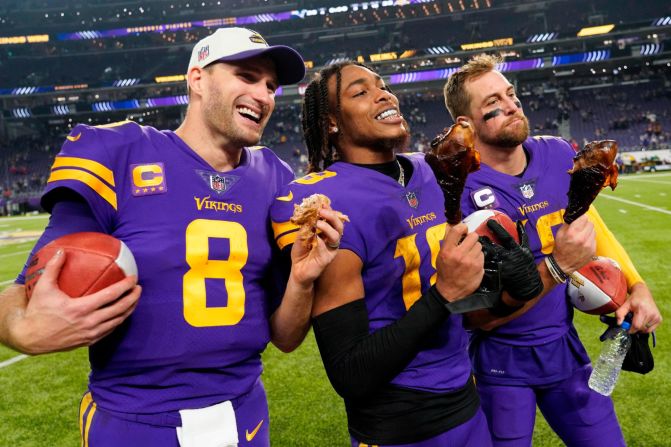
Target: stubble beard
[(222, 118), (393, 144), (508, 137)]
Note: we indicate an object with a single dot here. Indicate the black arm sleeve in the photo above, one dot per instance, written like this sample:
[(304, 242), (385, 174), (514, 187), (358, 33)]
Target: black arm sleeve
[(356, 362)]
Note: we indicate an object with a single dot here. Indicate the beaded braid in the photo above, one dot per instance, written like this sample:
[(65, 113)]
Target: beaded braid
[(316, 108)]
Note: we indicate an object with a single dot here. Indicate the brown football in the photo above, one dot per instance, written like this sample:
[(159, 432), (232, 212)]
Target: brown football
[(599, 287), (93, 261), (477, 221)]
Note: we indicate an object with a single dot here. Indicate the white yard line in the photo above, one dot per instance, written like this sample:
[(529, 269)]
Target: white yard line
[(14, 219), (13, 360), (640, 178), (647, 207), (645, 180), (4, 283), (23, 252)]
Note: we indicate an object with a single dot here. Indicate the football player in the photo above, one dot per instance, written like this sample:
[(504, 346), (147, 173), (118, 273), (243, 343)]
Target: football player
[(387, 312), (193, 207), (536, 358)]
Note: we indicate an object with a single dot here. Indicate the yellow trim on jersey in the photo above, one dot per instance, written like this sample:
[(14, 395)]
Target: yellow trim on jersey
[(89, 180), (607, 245), (98, 169), (315, 177), (287, 239), (116, 124), (279, 228), (288, 198)]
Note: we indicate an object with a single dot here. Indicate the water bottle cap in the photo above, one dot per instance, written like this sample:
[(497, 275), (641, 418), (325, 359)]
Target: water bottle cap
[(626, 325)]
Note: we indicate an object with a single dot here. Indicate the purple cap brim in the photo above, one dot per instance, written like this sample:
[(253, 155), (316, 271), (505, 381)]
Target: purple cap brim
[(288, 63)]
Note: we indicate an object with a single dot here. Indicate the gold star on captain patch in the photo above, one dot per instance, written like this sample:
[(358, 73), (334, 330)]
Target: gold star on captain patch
[(145, 190), (153, 189), (137, 191), (160, 188)]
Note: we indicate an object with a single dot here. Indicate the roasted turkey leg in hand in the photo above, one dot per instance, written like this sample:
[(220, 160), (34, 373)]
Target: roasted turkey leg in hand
[(452, 158), (593, 169)]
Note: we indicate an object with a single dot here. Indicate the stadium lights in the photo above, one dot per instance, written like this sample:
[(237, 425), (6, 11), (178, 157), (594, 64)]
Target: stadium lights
[(173, 78), (237, 21), (24, 90), (650, 49), (440, 50), (61, 110), (663, 21), (543, 37), (70, 87), (506, 41), (22, 112), (595, 30), (33, 38), (126, 82), (383, 56)]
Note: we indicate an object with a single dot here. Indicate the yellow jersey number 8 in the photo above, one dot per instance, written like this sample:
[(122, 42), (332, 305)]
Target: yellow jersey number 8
[(198, 234)]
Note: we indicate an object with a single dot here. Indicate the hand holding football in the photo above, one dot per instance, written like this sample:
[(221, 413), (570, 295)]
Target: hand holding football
[(93, 261), (599, 287), (477, 222)]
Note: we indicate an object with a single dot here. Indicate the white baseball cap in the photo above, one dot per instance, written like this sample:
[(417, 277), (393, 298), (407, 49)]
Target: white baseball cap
[(234, 44)]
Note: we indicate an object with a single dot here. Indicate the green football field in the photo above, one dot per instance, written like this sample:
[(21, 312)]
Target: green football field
[(40, 395)]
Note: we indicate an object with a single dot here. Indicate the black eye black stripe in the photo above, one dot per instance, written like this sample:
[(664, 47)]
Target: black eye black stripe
[(489, 115)]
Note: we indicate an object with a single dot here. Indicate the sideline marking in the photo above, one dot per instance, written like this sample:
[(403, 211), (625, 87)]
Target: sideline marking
[(647, 207), (12, 219), (18, 358), (23, 252)]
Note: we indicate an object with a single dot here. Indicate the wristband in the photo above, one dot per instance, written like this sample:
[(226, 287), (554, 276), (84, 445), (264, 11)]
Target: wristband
[(557, 273)]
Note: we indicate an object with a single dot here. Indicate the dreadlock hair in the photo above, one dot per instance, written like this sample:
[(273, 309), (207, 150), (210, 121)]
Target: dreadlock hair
[(316, 109)]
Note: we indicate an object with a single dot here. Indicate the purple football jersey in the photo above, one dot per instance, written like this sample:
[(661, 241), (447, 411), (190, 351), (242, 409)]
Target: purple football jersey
[(537, 198), (203, 245), (396, 232)]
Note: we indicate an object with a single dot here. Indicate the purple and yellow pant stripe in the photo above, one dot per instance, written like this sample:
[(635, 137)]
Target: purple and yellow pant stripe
[(87, 409)]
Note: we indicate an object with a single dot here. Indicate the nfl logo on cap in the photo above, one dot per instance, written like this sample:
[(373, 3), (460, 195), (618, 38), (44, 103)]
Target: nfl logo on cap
[(237, 44), (203, 53)]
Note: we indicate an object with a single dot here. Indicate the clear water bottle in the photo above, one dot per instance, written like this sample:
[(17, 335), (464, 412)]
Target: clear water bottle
[(607, 367)]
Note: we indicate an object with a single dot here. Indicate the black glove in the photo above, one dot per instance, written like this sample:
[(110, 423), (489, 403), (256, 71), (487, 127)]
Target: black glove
[(519, 274), (639, 356)]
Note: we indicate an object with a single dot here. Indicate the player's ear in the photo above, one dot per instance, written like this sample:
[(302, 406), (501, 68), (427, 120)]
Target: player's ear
[(463, 118), (333, 125), (194, 80)]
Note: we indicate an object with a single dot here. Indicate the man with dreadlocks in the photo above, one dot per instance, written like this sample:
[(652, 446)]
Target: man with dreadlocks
[(392, 344), (184, 369)]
